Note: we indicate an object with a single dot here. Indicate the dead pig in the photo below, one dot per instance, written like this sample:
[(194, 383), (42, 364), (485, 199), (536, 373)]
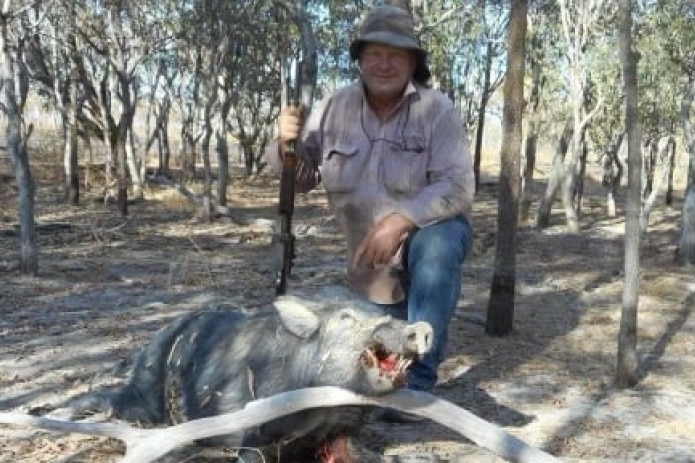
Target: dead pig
[(214, 362)]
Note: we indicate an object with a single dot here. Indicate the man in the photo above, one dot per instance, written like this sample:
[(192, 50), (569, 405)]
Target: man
[(393, 158)]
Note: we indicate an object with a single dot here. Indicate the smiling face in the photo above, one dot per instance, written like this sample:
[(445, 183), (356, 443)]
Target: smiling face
[(385, 71)]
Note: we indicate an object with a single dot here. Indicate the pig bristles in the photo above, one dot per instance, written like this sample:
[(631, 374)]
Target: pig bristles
[(146, 445)]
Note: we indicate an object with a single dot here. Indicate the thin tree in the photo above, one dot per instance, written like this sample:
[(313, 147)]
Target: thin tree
[(578, 19), (685, 253), (14, 86), (628, 364), (500, 311)]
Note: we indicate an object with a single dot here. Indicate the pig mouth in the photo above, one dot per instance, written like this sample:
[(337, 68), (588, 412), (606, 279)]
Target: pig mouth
[(385, 370)]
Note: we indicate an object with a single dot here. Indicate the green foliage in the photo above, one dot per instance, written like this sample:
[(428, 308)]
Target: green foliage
[(243, 43)]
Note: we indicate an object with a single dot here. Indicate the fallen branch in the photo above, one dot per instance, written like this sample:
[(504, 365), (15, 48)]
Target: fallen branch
[(146, 445), (178, 187), (194, 198)]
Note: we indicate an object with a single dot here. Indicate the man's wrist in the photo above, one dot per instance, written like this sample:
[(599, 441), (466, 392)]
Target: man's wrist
[(403, 222)]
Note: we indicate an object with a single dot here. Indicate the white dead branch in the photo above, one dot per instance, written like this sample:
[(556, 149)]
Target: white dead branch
[(146, 445)]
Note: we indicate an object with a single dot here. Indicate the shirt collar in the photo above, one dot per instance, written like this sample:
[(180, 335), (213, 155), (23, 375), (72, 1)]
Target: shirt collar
[(410, 90)]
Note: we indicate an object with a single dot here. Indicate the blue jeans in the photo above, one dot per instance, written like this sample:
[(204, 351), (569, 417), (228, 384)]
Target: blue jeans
[(431, 277)]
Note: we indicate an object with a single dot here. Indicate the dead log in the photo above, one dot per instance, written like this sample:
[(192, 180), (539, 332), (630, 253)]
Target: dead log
[(194, 198), (146, 445)]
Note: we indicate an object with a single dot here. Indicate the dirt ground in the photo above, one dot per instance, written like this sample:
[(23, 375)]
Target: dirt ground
[(107, 284)]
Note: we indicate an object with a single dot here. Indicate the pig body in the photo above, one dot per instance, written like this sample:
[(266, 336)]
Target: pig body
[(214, 362)]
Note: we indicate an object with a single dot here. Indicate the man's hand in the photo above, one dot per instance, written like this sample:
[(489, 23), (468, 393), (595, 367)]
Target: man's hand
[(382, 241), (290, 123)]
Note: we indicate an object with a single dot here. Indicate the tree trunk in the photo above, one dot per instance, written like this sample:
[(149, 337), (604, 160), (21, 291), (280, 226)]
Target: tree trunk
[(612, 173), (662, 168), (500, 311), (122, 172), (71, 173), (207, 171), (68, 109), (28, 246), (484, 95), (669, 182), (13, 106), (108, 137), (569, 182), (222, 149), (164, 147), (556, 177), (134, 167), (627, 367), (686, 241), (533, 127)]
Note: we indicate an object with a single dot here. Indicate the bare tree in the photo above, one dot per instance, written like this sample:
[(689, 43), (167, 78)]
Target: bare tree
[(686, 240), (578, 18), (627, 339), (533, 123), (14, 84), (500, 311)]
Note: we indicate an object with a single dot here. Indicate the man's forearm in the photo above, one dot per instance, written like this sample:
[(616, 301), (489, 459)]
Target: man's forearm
[(306, 174)]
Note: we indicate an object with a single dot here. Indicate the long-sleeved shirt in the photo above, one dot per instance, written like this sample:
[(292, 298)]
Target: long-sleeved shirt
[(415, 162)]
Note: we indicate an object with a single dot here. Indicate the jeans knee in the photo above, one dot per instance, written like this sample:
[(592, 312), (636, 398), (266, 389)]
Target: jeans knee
[(444, 244)]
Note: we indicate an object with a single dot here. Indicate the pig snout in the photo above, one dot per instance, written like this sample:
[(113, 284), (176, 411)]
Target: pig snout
[(417, 338), (386, 370)]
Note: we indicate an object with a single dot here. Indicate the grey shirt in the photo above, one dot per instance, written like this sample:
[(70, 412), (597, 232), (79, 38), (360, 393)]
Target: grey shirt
[(415, 162)]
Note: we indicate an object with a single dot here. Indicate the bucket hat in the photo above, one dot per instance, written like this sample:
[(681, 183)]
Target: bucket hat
[(391, 25), (387, 25)]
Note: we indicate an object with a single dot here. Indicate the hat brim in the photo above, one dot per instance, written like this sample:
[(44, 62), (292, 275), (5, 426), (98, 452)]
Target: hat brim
[(385, 38)]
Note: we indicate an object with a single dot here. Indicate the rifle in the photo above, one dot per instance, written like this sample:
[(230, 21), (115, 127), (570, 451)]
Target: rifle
[(286, 202)]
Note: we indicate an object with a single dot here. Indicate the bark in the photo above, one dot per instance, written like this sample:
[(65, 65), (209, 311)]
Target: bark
[(71, 173), (207, 172), (484, 97), (577, 20), (107, 133), (15, 89), (556, 176), (160, 132), (222, 149), (189, 134), (668, 200), (532, 131), (135, 165), (67, 105), (612, 173), (685, 253), (662, 169), (500, 311), (627, 362)]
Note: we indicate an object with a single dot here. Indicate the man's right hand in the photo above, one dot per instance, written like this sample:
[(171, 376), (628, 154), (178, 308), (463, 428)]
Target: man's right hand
[(290, 122)]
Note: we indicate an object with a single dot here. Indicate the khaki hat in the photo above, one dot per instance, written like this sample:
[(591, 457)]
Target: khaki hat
[(387, 25)]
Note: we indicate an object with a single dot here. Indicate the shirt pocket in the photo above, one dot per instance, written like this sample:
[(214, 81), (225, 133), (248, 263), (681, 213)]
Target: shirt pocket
[(404, 168), (341, 167)]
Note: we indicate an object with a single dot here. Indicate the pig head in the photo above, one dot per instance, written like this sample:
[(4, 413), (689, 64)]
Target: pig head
[(214, 362)]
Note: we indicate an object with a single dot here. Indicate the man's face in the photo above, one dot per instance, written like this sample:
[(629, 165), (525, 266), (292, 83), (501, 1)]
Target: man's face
[(386, 69)]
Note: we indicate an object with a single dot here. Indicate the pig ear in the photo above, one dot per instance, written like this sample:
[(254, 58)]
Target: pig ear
[(358, 316), (297, 318)]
